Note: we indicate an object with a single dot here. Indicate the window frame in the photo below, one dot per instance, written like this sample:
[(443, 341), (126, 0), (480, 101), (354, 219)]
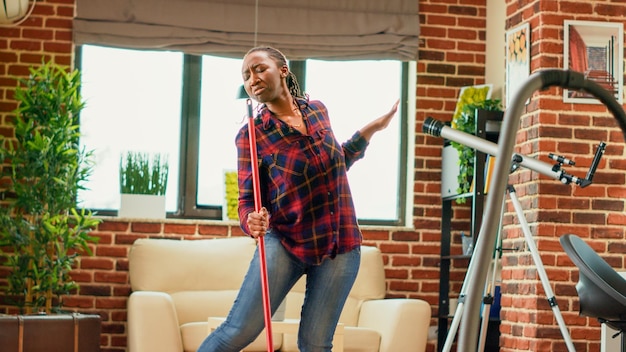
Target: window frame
[(187, 208)]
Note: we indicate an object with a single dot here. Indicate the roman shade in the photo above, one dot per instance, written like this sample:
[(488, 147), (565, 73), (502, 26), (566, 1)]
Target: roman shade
[(319, 29)]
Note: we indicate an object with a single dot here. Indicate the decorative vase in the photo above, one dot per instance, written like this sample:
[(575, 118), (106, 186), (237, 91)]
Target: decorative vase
[(142, 206), (449, 171)]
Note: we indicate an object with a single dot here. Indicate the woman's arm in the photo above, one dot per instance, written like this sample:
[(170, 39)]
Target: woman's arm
[(354, 148), (379, 124)]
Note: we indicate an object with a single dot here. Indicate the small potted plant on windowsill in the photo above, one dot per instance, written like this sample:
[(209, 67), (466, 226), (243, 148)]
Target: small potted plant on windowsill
[(143, 182), (42, 233)]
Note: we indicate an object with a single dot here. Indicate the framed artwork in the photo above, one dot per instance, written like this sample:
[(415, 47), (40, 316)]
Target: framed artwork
[(596, 50), (517, 59)]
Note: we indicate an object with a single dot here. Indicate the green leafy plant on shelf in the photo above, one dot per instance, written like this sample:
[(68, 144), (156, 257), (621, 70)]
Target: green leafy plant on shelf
[(42, 233), (465, 120), (143, 173)]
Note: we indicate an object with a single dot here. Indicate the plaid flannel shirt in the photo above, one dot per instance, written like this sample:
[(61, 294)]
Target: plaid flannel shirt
[(303, 182)]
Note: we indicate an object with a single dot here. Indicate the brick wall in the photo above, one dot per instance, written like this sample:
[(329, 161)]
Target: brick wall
[(451, 56), (594, 213)]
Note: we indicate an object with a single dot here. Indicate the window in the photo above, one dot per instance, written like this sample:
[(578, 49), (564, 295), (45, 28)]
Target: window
[(187, 107), (221, 117), (356, 92), (132, 103)]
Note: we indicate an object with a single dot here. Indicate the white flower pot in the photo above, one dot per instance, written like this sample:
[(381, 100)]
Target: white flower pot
[(449, 171), (142, 206)]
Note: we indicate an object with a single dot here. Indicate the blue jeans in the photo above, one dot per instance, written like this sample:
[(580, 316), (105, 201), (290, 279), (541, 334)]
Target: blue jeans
[(327, 287)]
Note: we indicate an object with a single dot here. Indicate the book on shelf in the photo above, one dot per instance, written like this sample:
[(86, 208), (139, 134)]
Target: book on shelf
[(488, 172), (489, 164)]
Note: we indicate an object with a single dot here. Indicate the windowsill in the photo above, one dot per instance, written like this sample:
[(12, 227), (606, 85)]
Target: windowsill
[(393, 228), (168, 220), (232, 222)]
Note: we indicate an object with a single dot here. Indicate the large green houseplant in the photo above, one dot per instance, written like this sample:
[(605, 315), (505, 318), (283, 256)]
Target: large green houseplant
[(42, 233)]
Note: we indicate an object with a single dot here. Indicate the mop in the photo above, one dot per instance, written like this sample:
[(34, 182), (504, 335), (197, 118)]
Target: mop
[(267, 313)]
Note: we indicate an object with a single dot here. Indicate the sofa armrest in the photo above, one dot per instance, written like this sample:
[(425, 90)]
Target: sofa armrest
[(402, 323), (153, 323)]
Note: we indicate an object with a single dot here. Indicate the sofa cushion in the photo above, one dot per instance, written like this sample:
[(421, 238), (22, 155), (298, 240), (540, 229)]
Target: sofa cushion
[(349, 315), (361, 340), (194, 306), (370, 281), (164, 265), (369, 284), (354, 340), (194, 333)]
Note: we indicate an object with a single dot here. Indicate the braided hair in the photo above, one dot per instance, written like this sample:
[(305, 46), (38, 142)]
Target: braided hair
[(281, 60)]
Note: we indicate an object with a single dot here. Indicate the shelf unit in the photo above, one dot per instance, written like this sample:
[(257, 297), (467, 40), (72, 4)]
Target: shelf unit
[(487, 127)]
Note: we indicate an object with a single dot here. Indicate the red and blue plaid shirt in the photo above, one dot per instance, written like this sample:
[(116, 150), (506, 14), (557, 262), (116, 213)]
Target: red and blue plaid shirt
[(303, 183)]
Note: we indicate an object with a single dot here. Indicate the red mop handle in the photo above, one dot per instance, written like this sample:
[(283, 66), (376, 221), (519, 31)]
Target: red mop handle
[(267, 310)]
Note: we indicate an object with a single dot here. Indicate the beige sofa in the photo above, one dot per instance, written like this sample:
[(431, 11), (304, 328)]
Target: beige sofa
[(177, 285)]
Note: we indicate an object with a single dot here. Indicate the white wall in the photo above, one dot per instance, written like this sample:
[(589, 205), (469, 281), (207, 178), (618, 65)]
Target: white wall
[(496, 51)]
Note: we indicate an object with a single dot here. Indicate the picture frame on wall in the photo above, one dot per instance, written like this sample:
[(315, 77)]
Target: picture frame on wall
[(596, 50), (517, 59)]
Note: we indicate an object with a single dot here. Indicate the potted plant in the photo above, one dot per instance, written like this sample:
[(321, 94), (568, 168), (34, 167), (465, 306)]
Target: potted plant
[(464, 120), (143, 182), (42, 233)]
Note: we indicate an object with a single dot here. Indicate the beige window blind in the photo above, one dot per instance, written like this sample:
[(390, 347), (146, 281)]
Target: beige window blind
[(319, 29)]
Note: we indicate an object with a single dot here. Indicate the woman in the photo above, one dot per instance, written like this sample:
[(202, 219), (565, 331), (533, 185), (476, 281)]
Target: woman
[(308, 218)]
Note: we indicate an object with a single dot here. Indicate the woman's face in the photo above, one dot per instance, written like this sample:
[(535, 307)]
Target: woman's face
[(262, 78)]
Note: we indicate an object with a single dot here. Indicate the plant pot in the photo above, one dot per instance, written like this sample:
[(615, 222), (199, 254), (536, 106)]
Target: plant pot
[(449, 171), (50, 333), (142, 206)]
